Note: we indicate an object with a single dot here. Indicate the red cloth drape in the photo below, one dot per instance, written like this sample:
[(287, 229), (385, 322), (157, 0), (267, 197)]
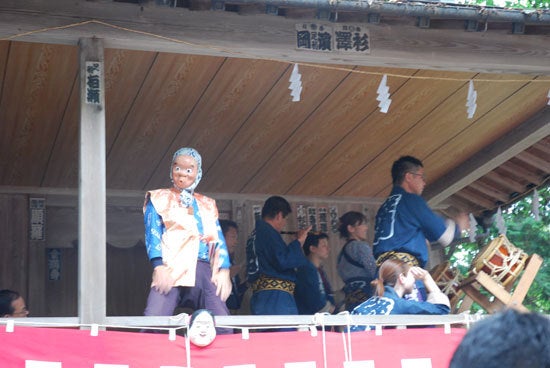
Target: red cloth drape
[(78, 349)]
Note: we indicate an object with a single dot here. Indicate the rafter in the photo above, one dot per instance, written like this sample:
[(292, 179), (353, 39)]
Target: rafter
[(475, 197), (533, 160), (519, 171), (505, 181), (511, 144), (490, 191)]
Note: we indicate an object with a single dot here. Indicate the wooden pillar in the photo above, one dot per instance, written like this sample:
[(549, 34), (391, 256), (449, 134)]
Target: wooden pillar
[(14, 243), (92, 191)]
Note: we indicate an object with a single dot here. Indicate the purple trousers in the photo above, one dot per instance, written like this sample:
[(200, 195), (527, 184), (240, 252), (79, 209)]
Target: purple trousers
[(201, 296)]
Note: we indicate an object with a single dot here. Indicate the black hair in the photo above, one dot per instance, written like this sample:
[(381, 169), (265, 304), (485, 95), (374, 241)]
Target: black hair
[(507, 339), (228, 224), (199, 311), (273, 205), (312, 240), (402, 166), (6, 299), (352, 218)]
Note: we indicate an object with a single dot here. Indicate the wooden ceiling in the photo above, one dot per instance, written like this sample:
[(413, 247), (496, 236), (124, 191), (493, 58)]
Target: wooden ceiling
[(238, 113)]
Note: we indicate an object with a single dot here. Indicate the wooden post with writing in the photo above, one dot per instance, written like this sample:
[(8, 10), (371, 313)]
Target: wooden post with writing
[(92, 263)]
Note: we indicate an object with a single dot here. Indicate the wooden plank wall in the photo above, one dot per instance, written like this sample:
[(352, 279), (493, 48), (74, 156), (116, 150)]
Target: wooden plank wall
[(14, 243), (242, 213), (24, 265)]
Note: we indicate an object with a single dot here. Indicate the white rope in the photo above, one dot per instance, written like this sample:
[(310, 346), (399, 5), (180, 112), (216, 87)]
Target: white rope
[(253, 323), (319, 318), (348, 326), (466, 315), (347, 347), (324, 346), (346, 355), (265, 327), (182, 317), (451, 285), (500, 272), (94, 327), (188, 351)]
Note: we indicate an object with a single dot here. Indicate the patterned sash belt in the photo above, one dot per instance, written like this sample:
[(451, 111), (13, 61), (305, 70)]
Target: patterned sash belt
[(272, 283), (354, 298), (405, 257)]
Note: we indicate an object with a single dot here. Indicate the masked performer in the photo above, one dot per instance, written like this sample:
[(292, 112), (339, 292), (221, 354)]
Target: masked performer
[(185, 244)]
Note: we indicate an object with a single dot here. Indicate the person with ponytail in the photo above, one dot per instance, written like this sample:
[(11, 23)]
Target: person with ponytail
[(396, 279), (356, 264)]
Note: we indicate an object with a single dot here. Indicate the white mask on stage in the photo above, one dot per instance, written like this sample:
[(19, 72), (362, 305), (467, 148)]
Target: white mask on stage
[(202, 329)]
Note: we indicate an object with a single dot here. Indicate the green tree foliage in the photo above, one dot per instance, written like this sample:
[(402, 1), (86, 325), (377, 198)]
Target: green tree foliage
[(505, 4), (528, 234), (511, 4)]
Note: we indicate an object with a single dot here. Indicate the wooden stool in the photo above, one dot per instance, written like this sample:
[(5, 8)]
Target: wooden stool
[(448, 281), (502, 296)]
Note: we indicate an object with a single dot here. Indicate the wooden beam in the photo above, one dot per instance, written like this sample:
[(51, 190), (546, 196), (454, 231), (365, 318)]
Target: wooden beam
[(474, 197), (457, 201), (543, 146), (530, 159), (505, 181), (92, 262), (395, 42), (132, 198), (519, 171), (530, 132), (533, 264), (489, 190)]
